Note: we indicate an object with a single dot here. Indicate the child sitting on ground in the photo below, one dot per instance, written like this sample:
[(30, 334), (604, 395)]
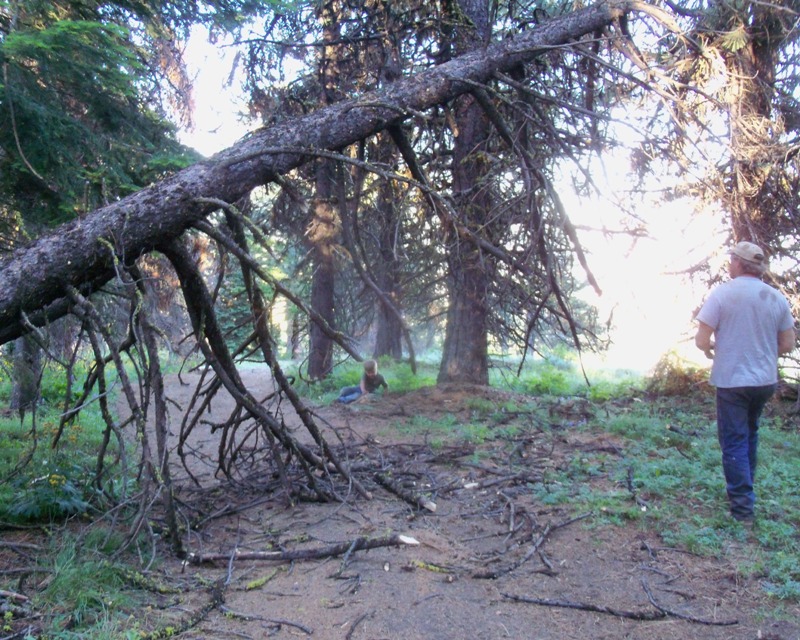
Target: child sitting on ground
[(370, 382)]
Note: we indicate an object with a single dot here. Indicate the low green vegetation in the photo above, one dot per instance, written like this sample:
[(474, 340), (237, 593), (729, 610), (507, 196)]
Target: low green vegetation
[(659, 468), (347, 374), (47, 471), (87, 588), (653, 464)]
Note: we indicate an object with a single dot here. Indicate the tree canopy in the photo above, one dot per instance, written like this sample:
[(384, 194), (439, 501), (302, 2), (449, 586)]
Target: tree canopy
[(83, 253)]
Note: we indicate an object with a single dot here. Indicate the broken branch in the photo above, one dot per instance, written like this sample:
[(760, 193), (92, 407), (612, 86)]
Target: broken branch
[(359, 544), (411, 497)]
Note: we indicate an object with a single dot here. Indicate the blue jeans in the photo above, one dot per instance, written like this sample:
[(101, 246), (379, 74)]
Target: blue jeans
[(349, 394), (738, 413)]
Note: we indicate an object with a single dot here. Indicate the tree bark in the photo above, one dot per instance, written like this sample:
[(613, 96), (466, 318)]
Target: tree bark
[(34, 279), (26, 375), (325, 226), (389, 325), (752, 87), (323, 280), (465, 353)]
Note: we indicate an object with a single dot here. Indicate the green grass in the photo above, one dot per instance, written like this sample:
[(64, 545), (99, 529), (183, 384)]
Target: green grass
[(88, 595), (436, 432), (670, 459), (398, 376), (664, 450), (85, 588), (85, 591), (555, 375), (56, 481)]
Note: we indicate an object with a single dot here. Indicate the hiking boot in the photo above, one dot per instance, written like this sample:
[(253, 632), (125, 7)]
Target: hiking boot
[(749, 525)]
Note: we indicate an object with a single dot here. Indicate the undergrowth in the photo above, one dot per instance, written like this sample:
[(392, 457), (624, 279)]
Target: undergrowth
[(665, 473), (661, 472), (42, 482), (667, 478)]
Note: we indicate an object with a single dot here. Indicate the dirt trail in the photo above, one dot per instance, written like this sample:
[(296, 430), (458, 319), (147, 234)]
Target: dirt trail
[(484, 522)]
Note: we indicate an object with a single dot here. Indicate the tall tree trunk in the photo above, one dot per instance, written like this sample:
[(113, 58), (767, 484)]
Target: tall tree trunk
[(465, 353), (320, 357), (388, 333), (323, 231), (26, 375), (389, 327), (294, 343), (752, 130)]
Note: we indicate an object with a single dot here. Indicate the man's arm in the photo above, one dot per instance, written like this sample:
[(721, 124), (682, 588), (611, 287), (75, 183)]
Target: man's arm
[(786, 341), (703, 339)]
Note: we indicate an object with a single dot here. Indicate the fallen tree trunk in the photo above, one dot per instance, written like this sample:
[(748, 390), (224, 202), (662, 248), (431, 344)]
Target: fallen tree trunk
[(82, 254)]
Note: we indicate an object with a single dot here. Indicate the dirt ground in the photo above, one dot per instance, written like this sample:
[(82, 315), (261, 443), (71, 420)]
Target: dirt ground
[(489, 561)]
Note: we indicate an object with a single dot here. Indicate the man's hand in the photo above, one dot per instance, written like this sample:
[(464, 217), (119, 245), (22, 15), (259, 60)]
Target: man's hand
[(703, 340), (786, 341)]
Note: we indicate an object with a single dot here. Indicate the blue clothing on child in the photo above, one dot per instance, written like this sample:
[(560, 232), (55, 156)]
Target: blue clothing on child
[(368, 382)]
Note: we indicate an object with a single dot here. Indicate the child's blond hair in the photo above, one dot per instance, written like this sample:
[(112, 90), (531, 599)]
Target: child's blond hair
[(370, 366)]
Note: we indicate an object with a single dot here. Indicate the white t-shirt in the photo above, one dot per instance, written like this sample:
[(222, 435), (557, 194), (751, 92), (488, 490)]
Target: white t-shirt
[(746, 315)]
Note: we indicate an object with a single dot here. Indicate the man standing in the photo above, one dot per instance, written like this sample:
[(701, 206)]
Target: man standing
[(752, 325)]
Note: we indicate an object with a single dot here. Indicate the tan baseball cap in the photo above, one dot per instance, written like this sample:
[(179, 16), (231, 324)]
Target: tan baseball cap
[(748, 251)]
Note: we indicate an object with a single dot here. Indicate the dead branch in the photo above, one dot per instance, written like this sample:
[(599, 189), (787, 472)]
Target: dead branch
[(277, 621), (216, 600), (332, 551), (584, 606), (662, 612), (529, 167), (34, 279), (19, 545), (632, 490), (191, 416), (357, 622), (155, 384), (410, 497), (491, 575), (85, 310), (260, 315), (511, 479), (683, 616), (353, 242), (12, 595), (212, 344), (251, 263)]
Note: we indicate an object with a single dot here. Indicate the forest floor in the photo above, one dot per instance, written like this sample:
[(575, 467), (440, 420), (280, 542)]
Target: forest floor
[(490, 561)]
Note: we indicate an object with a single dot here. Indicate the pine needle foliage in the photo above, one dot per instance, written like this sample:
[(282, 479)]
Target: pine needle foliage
[(77, 129)]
